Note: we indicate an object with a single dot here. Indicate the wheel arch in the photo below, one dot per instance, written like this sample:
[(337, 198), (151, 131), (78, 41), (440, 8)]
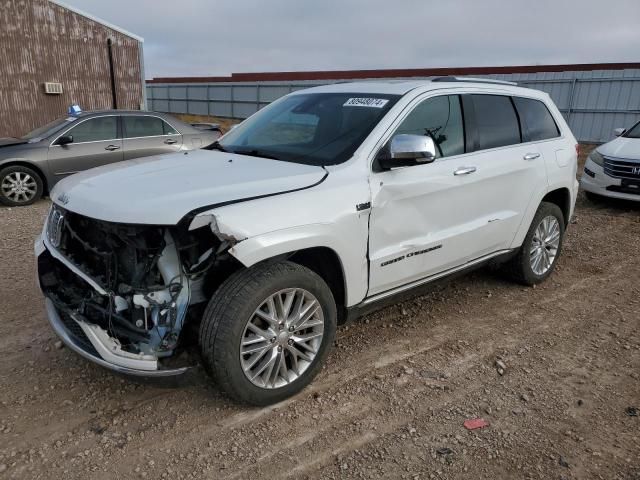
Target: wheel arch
[(310, 248), (32, 166), (562, 198), (326, 263)]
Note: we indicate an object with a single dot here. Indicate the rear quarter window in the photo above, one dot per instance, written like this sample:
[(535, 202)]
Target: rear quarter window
[(496, 121), (537, 121)]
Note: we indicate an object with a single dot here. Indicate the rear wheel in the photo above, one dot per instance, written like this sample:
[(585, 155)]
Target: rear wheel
[(541, 248), (19, 186), (267, 330)]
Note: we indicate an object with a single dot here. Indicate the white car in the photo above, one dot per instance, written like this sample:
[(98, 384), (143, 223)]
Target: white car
[(613, 169), (325, 204)]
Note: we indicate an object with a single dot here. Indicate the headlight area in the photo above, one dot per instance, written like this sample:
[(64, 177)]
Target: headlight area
[(596, 158), (130, 289)]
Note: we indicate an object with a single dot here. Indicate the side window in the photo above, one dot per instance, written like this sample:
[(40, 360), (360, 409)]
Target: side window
[(441, 119), (537, 122), (168, 129), (496, 121), (142, 126), (95, 129)]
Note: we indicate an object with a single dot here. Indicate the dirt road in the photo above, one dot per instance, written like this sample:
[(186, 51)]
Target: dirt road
[(392, 399)]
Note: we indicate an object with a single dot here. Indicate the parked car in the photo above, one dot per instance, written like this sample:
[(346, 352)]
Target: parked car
[(208, 127), (613, 169), (323, 205), (30, 166)]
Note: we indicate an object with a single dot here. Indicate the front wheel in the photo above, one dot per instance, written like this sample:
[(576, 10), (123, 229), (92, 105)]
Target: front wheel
[(267, 330), (19, 186), (541, 248)]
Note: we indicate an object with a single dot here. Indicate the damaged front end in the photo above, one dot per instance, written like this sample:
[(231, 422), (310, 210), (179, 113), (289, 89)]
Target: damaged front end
[(121, 294)]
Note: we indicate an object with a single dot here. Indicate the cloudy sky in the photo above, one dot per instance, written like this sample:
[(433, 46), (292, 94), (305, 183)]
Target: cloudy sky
[(218, 37)]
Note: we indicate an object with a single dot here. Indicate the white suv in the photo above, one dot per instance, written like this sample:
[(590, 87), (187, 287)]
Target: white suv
[(327, 203)]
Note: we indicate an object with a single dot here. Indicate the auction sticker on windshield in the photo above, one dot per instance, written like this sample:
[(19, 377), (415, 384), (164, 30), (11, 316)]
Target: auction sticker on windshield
[(366, 102)]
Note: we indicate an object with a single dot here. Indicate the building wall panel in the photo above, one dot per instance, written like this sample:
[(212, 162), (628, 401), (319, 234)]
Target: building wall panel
[(45, 42)]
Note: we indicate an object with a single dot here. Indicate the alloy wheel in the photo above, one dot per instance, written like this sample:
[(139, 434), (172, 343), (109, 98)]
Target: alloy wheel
[(282, 338), (544, 245), (19, 187)]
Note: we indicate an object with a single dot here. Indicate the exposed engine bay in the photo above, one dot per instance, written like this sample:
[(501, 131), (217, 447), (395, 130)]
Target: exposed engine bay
[(129, 287)]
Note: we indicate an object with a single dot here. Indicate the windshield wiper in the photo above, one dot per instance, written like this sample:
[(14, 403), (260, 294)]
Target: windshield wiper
[(255, 153), (215, 146)]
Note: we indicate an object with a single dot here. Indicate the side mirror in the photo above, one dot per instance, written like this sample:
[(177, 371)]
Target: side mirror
[(405, 150), (65, 140), (619, 131)]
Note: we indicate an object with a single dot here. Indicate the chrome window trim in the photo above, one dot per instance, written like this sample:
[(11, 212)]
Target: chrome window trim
[(80, 122), (92, 141), (152, 136), (424, 96)]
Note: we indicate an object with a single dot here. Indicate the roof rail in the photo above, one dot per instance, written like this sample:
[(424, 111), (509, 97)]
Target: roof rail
[(471, 79)]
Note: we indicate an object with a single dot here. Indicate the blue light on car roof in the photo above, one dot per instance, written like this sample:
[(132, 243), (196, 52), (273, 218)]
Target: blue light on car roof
[(74, 110)]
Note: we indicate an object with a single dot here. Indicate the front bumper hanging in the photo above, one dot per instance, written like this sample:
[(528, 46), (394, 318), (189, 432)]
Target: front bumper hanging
[(92, 342)]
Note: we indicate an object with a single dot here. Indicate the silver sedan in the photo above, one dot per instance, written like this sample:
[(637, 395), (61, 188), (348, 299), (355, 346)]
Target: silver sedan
[(30, 166)]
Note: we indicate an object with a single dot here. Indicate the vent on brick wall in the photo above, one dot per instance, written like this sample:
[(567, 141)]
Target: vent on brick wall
[(53, 88)]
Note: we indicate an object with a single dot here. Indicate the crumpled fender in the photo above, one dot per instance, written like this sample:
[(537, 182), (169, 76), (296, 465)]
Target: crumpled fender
[(252, 250), (324, 216)]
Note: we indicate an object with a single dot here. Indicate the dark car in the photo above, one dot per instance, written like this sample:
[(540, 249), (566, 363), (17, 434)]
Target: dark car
[(30, 166)]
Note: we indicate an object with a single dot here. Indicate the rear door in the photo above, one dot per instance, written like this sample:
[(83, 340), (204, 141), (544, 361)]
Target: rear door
[(507, 172), (96, 141), (146, 135), (539, 126)]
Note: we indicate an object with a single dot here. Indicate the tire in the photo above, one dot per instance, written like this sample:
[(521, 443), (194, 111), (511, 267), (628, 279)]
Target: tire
[(29, 183), (521, 267), (233, 307)]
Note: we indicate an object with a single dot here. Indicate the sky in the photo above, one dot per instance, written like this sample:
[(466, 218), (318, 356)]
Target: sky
[(220, 37)]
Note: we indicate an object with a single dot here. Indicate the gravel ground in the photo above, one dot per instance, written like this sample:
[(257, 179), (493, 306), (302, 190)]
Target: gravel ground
[(390, 402)]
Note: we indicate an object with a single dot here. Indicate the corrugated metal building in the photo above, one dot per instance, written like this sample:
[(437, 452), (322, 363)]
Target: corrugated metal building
[(594, 98), (97, 65)]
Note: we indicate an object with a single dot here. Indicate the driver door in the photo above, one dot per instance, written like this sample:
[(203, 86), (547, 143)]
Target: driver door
[(96, 141), (423, 216)]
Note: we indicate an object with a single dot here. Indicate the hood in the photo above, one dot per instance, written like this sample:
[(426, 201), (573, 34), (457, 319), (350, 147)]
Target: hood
[(160, 190), (6, 141), (622, 147)]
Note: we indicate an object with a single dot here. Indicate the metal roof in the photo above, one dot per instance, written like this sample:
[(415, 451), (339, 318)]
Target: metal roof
[(98, 20)]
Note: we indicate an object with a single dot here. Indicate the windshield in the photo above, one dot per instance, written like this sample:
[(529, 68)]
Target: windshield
[(316, 128), (49, 129), (633, 132)]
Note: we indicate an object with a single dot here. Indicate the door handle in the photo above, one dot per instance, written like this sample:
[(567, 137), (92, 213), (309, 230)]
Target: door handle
[(464, 170), (111, 148), (531, 156), (170, 141)]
